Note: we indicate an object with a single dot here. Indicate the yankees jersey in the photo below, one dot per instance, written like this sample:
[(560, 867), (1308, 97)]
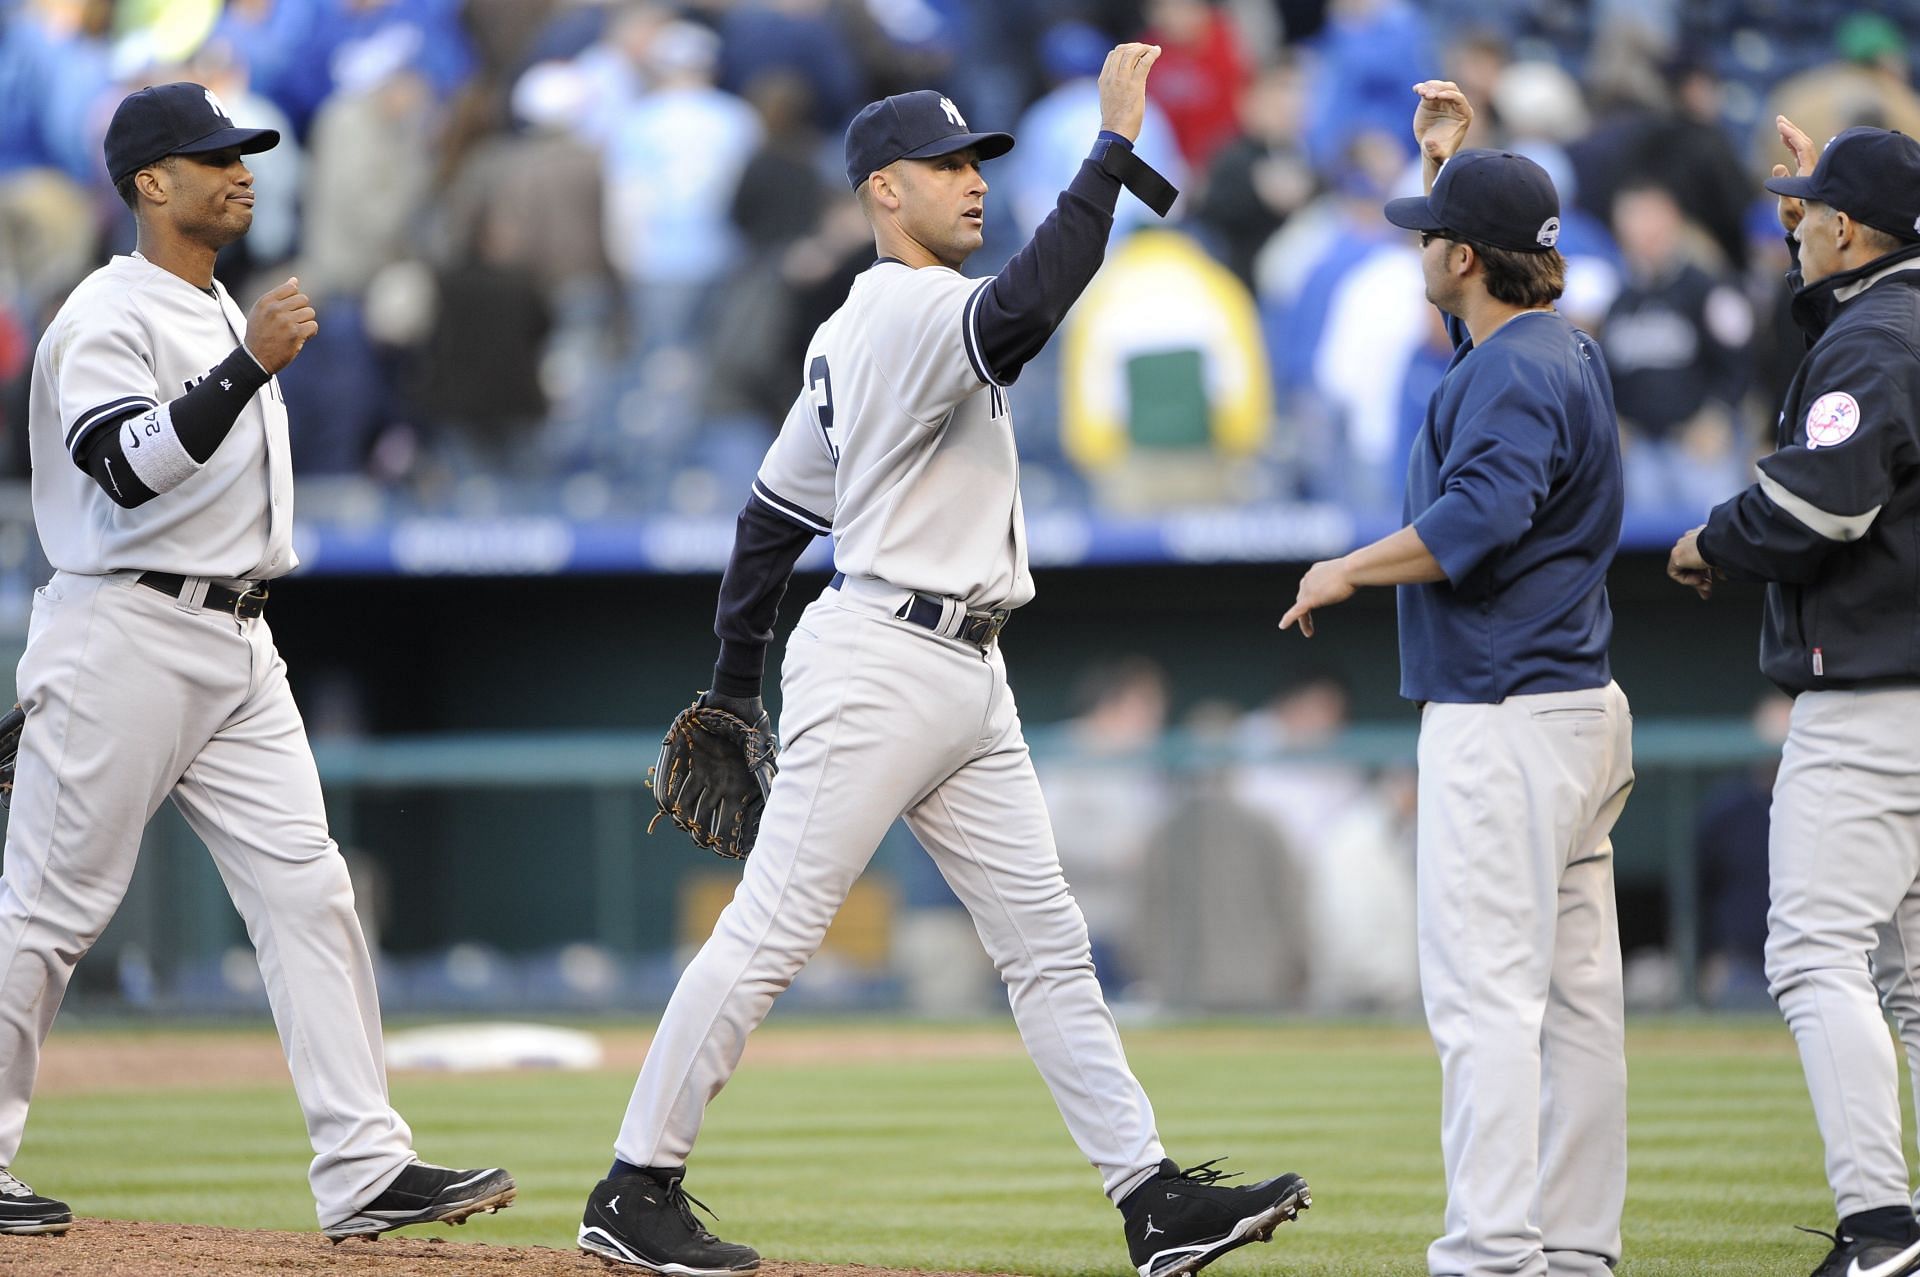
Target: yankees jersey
[(131, 338), (902, 443)]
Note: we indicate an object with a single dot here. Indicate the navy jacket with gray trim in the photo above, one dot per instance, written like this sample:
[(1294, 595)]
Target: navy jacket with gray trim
[(1833, 525)]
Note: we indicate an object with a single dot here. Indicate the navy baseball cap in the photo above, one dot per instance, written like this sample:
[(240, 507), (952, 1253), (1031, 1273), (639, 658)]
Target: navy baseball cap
[(1871, 175), (175, 119), (912, 126), (1489, 197)]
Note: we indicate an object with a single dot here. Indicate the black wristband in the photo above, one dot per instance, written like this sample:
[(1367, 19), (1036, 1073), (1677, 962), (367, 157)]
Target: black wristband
[(1121, 163)]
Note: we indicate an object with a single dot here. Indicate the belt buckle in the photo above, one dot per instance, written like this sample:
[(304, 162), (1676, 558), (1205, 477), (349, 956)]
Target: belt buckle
[(257, 594), (993, 622)]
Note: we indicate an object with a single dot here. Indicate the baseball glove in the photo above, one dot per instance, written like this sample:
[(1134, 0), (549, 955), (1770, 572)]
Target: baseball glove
[(10, 724), (716, 766)]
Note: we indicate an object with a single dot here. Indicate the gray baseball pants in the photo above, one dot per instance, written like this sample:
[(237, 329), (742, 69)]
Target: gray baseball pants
[(1844, 863), (134, 697), (1520, 971), (880, 719)]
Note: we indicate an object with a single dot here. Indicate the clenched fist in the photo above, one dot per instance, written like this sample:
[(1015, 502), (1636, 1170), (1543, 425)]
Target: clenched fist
[(1123, 88), (279, 325)]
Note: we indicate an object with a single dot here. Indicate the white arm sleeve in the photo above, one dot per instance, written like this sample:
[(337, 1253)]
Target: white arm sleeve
[(154, 450)]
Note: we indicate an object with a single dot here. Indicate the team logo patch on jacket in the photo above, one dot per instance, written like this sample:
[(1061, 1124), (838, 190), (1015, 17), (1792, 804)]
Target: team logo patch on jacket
[(1832, 419)]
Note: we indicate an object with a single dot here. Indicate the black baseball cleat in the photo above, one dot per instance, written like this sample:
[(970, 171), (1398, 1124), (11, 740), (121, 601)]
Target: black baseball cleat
[(1178, 1222), (1867, 1256), (24, 1211), (647, 1220), (426, 1194)]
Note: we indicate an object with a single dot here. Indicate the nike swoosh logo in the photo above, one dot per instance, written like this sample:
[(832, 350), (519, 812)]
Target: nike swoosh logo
[(1897, 1264)]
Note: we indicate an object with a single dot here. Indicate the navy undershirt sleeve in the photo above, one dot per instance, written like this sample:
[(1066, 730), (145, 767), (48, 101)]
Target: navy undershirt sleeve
[(1033, 292), (766, 545)]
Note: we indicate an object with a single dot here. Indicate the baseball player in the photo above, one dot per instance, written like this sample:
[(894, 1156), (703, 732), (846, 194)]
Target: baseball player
[(1513, 507), (164, 500), (900, 445), (1833, 527)]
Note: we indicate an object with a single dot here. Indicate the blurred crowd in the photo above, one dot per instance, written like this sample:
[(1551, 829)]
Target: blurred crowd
[(567, 253)]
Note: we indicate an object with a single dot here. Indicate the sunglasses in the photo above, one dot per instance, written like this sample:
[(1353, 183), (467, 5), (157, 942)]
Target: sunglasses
[(1427, 237)]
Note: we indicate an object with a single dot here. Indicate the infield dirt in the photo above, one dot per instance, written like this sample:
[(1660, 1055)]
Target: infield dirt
[(116, 1248)]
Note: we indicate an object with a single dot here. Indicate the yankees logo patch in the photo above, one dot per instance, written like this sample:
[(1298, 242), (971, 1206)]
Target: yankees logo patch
[(952, 113), (1832, 419), (1549, 233), (219, 108)]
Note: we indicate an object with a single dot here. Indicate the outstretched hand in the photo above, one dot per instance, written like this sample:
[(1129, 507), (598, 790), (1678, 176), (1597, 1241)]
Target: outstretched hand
[(1123, 88), (1325, 584), (1441, 121)]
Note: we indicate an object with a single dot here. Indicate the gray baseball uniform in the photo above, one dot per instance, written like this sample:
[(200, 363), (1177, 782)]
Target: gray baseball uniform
[(905, 439), (134, 695)]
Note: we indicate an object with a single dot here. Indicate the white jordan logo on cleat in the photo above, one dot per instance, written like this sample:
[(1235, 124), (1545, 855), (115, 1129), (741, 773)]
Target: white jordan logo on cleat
[(1151, 1230), (614, 1205)]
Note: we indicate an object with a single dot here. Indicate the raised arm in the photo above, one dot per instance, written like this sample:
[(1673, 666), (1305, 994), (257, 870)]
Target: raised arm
[(1022, 306)]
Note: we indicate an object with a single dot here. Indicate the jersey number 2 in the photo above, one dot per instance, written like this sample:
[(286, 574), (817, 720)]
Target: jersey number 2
[(820, 394)]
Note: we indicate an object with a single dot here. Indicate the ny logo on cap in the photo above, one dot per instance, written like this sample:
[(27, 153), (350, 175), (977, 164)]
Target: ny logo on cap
[(219, 108), (1549, 234), (952, 113)]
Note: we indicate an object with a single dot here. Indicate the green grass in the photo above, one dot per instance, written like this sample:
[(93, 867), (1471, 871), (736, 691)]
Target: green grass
[(965, 1164)]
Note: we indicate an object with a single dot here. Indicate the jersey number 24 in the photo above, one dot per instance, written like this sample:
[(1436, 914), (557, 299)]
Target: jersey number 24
[(820, 395)]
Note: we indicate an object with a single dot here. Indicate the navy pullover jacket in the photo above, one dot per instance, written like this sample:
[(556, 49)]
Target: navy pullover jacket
[(1514, 485)]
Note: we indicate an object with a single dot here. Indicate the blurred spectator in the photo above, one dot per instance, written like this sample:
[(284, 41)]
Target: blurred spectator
[(1057, 131), (1377, 317), (370, 172), (667, 202), (1164, 382), (1202, 71), (1300, 274), (480, 368), (1361, 911), (1370, 54), (1868, 83), (613, 67), (279, 175), (303, 51), (55, 76), (537, 194), (800, 36), (1676, 342), (1475, 60), (1309, 713), (1689, 153), (1350, 841), (1543, 112), (1627, 98), (46, 239), (1223, 914), (1730, 841), (1104, 797), (780, 201), (1264, 175)]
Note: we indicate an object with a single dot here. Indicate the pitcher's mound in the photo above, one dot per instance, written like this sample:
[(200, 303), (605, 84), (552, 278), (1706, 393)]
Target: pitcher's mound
[(121, 1248)]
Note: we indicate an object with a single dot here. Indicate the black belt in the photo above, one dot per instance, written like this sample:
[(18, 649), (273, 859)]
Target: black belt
[(244, 604), (980, 626)]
